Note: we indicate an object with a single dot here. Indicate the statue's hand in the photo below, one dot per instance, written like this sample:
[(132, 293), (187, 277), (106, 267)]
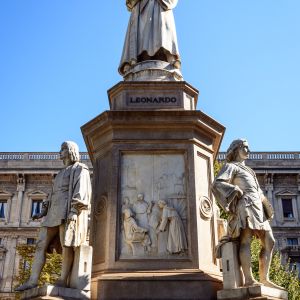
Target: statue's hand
[(72, 217), (239, 192)]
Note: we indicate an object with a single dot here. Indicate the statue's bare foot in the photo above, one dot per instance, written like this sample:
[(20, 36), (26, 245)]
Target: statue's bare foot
[(270, 284), (133, 62), (177, 64), (126, 68), (26, 286), (252, 282)]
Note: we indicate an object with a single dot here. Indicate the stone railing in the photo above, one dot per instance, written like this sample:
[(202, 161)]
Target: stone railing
[(36, 156), (268, 156)]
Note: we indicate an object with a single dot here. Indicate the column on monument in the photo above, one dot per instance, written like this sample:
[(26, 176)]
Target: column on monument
[(17, 202), (9, 264)]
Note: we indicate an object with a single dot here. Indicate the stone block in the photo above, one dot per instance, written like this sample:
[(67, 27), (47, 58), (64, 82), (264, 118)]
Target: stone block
[(253, 292), (82, 268), (232, 274), (180, 284), (153, 96), (50, 292)]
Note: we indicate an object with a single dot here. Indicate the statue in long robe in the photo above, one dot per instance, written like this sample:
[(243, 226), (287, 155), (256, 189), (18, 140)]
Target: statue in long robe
[(65, 216), (151, 34), (177, 242)]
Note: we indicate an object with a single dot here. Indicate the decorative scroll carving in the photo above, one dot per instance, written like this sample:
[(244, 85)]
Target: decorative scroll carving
[(205, 207), (101, 206)]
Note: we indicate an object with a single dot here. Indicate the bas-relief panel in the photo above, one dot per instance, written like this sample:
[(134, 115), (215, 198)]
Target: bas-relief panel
[(153, 208)]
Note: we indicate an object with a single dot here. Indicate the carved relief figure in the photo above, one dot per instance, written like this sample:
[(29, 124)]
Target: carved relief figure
[(151, 34), (238, 192), (154, 220), (66, 215), (177, 242), (134, 234), (141, 210)]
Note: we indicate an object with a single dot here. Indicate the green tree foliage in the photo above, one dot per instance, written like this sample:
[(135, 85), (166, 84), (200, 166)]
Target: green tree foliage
[(279, 274), (50, 272)]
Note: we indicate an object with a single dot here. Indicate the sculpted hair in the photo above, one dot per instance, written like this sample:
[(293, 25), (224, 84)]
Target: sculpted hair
[(73, 150), (232, 150)]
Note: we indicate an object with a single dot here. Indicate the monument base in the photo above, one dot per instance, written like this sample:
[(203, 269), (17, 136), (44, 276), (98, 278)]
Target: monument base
[(253, 292), (177, 284), (50, 292)]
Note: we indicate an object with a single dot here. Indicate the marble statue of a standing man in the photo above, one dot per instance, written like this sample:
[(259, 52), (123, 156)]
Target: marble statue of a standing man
[(65, 215), (151, 34), (238, 192)]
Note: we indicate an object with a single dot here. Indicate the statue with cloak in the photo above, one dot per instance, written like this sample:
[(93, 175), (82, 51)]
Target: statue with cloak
[(151, 34)]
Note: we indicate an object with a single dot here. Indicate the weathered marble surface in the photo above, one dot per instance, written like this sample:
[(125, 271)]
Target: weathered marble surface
[(146, 182), (113, 138)]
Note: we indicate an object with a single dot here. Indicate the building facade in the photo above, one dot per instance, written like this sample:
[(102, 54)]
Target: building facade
[(26, 180)]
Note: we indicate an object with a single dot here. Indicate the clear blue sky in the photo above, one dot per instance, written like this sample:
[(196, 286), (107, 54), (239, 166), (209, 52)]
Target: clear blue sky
[(58, 58)]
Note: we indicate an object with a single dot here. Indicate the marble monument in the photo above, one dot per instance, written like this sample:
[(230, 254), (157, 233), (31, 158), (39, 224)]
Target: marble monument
[(153, 220)]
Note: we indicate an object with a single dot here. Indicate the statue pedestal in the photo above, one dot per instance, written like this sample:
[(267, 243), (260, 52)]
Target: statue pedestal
[(50, 292), (153, 145), (232, 273), (253, 293)]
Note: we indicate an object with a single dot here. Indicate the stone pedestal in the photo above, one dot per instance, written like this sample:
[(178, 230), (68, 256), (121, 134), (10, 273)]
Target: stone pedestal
[(253, 293), (82, 267), (149, 148), (51, 292), (232, 273)]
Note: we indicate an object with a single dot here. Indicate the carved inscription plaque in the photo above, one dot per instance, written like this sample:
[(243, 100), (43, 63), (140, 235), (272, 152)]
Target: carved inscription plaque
[(154, 99), (153, 210)]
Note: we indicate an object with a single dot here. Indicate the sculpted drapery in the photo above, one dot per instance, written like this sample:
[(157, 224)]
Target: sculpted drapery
[(176, 238), (247, 211), (72, 183), (151, 32)]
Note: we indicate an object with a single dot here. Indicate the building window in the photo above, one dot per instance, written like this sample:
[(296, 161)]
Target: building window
[(292, 241), (30, 241), (295, 264), (36, 207), (3, 207), (287, 207)]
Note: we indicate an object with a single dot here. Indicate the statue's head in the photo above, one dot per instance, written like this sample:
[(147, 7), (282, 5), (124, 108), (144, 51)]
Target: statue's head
[(70, 149), (140, 197), (234, 149), (161, 203)]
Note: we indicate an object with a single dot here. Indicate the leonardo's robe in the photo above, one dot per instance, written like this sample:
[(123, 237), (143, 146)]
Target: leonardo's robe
[(151, 28)]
